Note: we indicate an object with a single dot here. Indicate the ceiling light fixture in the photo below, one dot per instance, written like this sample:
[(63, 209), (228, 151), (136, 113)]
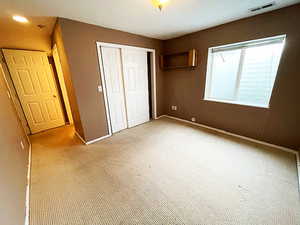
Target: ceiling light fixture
[(20, 19), (160, 3)]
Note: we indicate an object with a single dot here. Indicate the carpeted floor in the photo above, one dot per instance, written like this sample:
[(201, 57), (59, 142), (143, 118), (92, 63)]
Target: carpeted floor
[(163, 172)]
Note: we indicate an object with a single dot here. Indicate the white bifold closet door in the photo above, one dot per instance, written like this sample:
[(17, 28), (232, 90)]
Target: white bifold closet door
[(126, 80), (135, 71), (114, 87)]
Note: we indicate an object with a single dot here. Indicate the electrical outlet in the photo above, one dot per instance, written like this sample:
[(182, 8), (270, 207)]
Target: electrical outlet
[(174, 107), (22, 145), (193, 119), (100, 88)]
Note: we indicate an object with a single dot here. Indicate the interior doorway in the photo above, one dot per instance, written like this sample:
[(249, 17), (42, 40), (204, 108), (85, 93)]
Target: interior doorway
[(36, 88)]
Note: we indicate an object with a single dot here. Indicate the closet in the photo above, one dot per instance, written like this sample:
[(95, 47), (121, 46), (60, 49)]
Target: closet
[(125, 73)]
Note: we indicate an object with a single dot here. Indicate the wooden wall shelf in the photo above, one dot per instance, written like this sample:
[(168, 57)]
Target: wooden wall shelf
[(180, 60)]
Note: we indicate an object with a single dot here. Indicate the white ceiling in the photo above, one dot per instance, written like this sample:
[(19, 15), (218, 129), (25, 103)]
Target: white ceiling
[(140, 16)]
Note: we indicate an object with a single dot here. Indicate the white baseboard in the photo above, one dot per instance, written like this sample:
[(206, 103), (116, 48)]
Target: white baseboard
[(27, 201), (97, 139), (81, 139), (92, 141), (235, 135), (160, 117), (298, 167), (245, 138)]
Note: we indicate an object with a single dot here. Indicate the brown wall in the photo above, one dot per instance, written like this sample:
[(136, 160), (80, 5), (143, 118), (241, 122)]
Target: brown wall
[(79, 41), (13, 162), (280, 124)]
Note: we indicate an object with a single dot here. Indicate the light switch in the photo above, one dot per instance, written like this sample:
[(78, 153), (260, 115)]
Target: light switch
[(100, 88), (174, 107)]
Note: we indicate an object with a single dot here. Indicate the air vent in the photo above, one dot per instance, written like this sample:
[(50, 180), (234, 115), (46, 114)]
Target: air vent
[(262, 7)]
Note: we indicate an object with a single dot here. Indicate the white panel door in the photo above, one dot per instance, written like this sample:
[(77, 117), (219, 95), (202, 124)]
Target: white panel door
[(112, 66), (135, 71), (35, 85)]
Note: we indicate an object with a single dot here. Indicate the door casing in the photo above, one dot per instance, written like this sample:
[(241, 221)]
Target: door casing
[(62, 83), (152, 82)]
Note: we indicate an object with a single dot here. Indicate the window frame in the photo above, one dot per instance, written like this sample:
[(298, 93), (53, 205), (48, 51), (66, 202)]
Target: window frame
[(240, 45)]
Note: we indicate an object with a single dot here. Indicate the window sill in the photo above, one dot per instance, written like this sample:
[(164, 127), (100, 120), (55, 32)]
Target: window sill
[(237, 103)]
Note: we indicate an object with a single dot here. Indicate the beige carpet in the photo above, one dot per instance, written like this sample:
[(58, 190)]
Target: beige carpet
[(162, 172)]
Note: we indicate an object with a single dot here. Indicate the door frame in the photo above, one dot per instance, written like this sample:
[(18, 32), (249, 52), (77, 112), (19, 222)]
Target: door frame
[(152, 82), (62, 84)]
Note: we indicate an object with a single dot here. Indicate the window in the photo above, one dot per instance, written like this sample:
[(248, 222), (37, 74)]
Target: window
[(243, 73)]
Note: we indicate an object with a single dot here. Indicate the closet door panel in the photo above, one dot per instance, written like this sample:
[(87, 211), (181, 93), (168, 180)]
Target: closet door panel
[(112, 65), (135, 71)]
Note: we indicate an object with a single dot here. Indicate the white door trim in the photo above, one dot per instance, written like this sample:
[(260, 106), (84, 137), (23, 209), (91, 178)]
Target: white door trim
[(104, 90), (91, 141), (61, 81), (152, 82), (105, 44)]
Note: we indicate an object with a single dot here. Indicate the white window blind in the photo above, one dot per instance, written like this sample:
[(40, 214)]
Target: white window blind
[(244, 73)]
